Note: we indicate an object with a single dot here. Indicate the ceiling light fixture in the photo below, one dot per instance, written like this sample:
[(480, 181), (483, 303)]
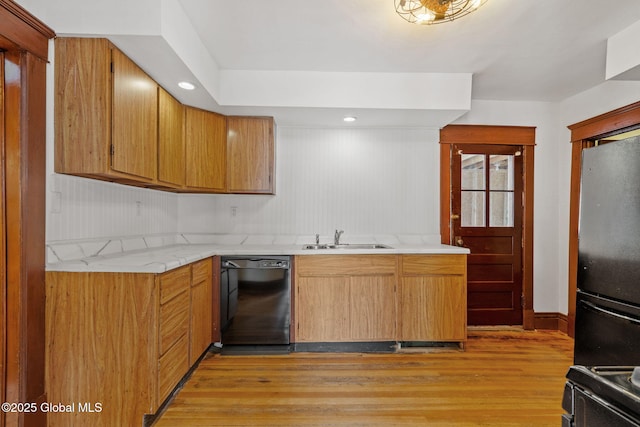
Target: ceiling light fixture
[(428, 12), (187, 85), (350, 119)]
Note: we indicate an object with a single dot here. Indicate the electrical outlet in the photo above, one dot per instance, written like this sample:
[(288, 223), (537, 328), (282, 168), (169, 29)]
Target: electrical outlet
[(234, 210), (56, 202)]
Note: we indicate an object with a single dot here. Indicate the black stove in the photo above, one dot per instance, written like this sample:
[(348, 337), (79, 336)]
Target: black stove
[(601, 396)]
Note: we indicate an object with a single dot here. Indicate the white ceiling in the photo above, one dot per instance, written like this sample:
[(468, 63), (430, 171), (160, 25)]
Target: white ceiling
[(535, 50), (355, 57)]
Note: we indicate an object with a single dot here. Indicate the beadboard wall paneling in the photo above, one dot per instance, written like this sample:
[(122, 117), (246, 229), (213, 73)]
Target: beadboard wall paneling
[(365, 181), (80, 208)]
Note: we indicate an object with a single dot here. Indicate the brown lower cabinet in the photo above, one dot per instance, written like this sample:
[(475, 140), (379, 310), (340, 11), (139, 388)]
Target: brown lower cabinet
[(432, 298), (119, 343), (355, 298), (345, 298)]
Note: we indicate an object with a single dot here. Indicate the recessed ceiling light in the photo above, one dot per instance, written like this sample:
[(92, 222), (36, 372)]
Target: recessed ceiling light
[(350, 119), (187, 85)]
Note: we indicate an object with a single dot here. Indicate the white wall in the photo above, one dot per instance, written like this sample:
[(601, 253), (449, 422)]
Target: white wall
[(79, 208), (365, 181)]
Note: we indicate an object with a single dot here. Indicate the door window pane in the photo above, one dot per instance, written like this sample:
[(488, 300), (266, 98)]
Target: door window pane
[(501, 172), (473, 209), (501, 209), (473, 172)]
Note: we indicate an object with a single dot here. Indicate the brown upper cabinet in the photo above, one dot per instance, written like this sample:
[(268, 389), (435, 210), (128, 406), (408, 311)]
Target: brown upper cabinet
[(171, 149), (250, 154), (115, 123), (206, 148), (106, 116)]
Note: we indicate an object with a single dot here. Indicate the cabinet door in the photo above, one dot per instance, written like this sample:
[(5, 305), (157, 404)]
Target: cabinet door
[(205, 144), (372, 314), (250, 157), (82, 106), (102, 345), (134, 119), (201, 316), (322, 309), (432, 308), (170, 139)]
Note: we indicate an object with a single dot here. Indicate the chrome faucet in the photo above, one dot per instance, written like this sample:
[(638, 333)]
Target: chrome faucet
[(336, 236)]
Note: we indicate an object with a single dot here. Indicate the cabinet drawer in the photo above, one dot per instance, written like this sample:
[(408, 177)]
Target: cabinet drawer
[(433, 264), (201, 271), (340, 265), (172, 367), (174, 282), (174, 321)]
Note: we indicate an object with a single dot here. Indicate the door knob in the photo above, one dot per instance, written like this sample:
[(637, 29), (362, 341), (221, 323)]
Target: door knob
[(459, 241), (455, 216)]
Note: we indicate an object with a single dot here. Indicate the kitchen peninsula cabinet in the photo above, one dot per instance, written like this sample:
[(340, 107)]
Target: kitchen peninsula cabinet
[(171, 164), (250, 154), (124, 340), (206, 150), (432, 298), (345, 298), (106, 115)]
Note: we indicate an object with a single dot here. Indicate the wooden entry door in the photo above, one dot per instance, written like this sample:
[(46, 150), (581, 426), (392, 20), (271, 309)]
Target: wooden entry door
[(487, 215)]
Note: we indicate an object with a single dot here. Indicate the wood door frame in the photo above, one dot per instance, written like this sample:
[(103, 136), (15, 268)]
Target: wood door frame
[(494, 135), (3, 248), (582, 135), (24, 41)]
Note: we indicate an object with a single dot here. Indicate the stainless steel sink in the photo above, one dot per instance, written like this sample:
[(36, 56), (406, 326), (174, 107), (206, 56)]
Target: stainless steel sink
[(319, 246)]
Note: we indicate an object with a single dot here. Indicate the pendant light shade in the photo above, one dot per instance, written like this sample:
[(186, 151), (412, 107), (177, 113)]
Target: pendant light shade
[(429, 12)]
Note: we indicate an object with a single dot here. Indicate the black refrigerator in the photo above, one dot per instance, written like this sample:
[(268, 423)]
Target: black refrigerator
[(607, 329)]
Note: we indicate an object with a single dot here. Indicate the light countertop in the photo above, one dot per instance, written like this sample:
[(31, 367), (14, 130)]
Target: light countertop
[(140, 258)]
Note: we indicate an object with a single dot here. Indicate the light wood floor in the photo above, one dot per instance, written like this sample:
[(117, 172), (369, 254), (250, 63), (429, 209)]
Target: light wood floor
[(503, 378)]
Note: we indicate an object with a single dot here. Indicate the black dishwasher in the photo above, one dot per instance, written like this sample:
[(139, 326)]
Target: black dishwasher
[(255, 303)]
